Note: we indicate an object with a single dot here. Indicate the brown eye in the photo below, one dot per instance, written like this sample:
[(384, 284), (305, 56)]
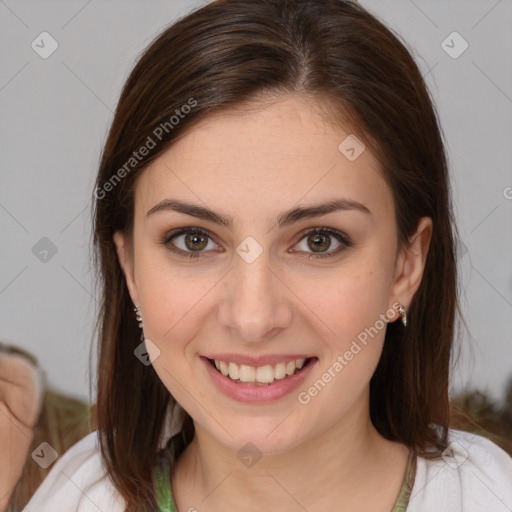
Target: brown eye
[(189, 242), (319, 240), (196, 241)]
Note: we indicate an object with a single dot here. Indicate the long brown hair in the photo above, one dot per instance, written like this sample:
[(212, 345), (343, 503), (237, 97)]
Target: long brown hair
[(224, 55)]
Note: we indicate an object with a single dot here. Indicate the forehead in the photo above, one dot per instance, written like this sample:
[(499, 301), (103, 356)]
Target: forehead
[(280, 153)]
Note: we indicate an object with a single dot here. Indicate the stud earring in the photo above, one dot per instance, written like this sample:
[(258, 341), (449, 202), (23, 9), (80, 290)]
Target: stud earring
[(403, 315), (139, 319)]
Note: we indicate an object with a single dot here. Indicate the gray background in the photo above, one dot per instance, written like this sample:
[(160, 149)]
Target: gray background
[(55, 113)]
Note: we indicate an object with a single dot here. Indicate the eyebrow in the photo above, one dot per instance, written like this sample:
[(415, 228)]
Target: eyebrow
[(284, 219)]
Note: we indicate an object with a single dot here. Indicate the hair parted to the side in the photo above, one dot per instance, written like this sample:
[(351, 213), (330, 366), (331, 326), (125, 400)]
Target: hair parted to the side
[(223, 55)]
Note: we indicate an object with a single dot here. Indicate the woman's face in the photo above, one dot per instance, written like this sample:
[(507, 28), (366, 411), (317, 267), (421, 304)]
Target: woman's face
[(251, 288)]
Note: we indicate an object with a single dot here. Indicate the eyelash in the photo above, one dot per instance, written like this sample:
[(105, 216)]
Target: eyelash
[(343, 239)]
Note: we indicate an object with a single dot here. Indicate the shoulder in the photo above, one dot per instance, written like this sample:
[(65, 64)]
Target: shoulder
[(77, 482), (474, 475)]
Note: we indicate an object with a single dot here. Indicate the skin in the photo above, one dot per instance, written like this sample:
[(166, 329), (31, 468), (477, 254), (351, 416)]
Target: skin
[(252, 165)]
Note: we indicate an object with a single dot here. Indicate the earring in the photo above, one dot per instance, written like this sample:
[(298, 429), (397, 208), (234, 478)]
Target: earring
[(139, 319), (403, 315)]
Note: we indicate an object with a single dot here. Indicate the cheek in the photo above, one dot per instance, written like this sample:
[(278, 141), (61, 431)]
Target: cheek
[(355, 309), (172, 302), (348, 303)]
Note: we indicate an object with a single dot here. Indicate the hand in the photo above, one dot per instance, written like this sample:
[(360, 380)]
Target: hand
[(20, 406)]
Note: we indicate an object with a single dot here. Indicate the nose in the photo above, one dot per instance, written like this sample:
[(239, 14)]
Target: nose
[(255, 305)]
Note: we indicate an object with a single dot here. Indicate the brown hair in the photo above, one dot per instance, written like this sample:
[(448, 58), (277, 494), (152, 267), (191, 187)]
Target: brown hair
[(222, 56)]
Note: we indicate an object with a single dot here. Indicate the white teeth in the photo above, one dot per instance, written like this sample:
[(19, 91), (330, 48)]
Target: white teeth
[(223, 368), (246, 373), (233, 371), (279, 371), (265, 374), (260, 375)]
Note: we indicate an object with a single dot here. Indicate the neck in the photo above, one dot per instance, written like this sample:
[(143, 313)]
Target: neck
[(340, 463)]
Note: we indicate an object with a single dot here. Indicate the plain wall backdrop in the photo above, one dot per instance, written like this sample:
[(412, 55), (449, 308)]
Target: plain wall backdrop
[(56, 108)]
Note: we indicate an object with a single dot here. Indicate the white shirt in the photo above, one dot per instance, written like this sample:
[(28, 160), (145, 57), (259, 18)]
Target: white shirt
[(474, 476)]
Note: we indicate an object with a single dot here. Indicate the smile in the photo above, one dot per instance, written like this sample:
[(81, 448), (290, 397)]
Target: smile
[(259, 375), (258, 379)]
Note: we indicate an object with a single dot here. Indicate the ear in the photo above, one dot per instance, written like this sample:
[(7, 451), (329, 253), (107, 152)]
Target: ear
[(410, 264), (125, 256)]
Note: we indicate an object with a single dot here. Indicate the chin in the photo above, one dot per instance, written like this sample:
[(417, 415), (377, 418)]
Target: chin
[(269, 436)]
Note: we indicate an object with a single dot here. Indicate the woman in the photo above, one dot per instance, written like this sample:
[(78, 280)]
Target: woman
[(273, 218)]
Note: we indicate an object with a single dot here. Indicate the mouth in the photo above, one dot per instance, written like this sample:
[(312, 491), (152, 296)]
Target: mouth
[(265, 375)]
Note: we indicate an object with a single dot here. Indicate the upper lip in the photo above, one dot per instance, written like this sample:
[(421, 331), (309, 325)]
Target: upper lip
[(257, 361)]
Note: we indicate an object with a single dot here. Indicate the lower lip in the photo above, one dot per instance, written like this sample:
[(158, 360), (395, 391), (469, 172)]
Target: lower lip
[(252, 393)]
